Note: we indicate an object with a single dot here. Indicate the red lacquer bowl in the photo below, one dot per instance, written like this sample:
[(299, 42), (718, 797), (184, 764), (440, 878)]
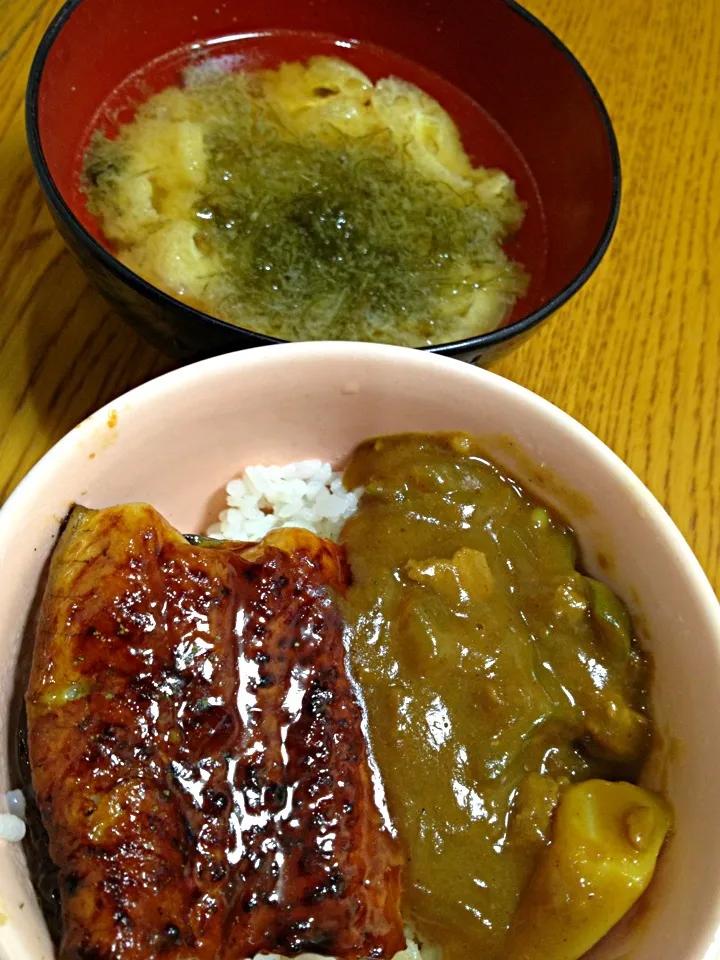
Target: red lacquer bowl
[(521, 100)]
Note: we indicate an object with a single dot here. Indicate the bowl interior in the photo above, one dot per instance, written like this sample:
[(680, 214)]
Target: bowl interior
[(176, 441), (539, 118)]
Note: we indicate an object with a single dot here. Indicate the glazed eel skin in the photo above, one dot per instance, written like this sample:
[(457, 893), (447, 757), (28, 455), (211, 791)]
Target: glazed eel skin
[(197, 749)]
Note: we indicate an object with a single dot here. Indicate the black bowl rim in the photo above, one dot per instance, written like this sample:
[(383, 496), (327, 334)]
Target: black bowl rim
[(136, 283)]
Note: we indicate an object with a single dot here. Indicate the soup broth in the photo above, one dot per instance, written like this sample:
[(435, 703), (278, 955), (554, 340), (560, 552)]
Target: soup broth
[(307, 202)]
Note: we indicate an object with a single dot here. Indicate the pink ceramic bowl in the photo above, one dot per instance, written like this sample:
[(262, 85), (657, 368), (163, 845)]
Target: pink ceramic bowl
[(177, 440)]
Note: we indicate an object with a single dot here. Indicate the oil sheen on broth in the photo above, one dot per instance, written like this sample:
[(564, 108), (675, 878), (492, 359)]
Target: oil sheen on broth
[(503, 689), (307, 202)]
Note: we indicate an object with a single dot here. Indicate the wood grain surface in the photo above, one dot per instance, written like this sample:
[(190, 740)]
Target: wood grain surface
[(635, 356)]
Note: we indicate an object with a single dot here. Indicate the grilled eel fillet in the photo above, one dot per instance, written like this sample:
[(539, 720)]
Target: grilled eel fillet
[(197, 752)]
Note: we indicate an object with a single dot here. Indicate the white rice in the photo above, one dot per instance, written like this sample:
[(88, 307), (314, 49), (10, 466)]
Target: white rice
[(305, 494), (411, 952), (12, 811)]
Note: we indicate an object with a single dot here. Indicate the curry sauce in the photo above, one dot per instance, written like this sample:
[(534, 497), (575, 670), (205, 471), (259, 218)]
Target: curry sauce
[(495, 676)]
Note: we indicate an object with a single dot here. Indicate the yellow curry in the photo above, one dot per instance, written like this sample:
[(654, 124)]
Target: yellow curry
[(508, 706)]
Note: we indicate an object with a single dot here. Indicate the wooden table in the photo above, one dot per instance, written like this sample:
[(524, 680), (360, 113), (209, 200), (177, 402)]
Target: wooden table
[(635, 356)]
